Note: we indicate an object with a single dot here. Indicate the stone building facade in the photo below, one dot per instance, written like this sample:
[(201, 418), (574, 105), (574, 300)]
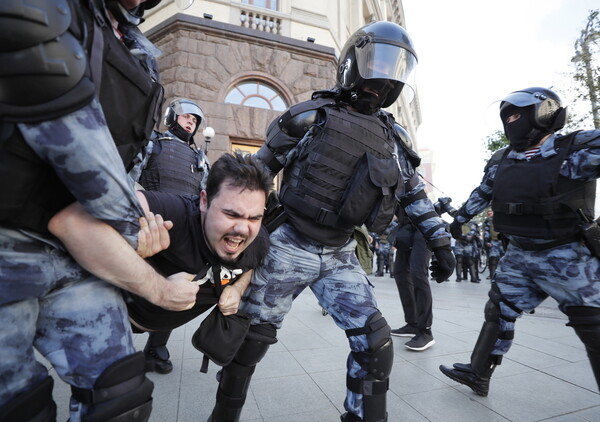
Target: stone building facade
[(217, 52), (204, 60)]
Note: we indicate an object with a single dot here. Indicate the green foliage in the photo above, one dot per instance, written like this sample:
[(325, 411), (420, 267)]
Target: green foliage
[(587, 71), (495, 141)]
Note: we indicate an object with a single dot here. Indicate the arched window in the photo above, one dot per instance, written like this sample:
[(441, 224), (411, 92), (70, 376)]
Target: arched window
[(254, 93)]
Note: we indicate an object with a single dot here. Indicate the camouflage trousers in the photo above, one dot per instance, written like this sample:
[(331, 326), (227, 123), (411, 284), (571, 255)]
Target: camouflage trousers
[(335, 277), (50, 304), (567, 273)]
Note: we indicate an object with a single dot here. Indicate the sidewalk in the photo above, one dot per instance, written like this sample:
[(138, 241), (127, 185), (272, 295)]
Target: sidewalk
[(545, 376)]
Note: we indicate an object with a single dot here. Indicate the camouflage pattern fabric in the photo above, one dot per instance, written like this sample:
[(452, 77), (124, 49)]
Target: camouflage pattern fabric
[(47, 301), (568, 273)]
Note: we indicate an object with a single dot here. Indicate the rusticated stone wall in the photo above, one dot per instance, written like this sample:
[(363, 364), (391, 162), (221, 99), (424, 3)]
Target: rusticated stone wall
[(203, 59)]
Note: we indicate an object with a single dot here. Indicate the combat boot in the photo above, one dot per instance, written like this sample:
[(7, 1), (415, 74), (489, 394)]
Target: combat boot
[(464, 374)]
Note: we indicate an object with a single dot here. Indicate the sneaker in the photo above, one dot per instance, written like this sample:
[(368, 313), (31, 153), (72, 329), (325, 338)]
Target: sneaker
[(465, 375), (157, 360), (406, 331), (420, 342)]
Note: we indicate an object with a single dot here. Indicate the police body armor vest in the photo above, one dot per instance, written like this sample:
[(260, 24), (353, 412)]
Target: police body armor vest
[(346, 175), (130, 98), (175, 167), (531, 199)]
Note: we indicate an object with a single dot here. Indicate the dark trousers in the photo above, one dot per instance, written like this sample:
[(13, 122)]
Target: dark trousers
[(412, 279)]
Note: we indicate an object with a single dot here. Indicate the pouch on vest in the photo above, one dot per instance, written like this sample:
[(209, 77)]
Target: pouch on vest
[(370, 197)]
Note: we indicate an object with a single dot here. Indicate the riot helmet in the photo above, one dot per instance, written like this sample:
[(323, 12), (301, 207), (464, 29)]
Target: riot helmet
[(130, 16), (378, 57), (175, 109), (541, 113)]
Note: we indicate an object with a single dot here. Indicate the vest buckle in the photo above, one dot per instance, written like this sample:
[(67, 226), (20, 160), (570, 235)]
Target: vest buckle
[(514, 208)]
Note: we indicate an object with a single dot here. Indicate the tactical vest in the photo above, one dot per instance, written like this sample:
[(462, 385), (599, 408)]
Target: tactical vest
[(531, 199), (175, 167), (346, 175), (130, 99)]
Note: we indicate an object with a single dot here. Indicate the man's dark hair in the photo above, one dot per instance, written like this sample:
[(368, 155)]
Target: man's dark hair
[(239, 170)]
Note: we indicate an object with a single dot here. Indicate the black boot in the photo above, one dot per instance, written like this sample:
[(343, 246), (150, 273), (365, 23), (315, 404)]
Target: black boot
[(493, 265), (459, 268), (350, 417), (157, 354), (464, 374), (474, 274), (476, 374)]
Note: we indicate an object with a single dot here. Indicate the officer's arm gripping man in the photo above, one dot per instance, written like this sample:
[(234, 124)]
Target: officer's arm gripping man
[(420, 209), (119, 264)]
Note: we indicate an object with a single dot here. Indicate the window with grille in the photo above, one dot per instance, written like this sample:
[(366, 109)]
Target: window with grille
[(256, 94)]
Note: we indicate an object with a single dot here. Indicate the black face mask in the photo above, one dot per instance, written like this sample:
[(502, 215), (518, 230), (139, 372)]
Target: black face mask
[(367, 102), (181, 133), (521, 133), (518, 133)]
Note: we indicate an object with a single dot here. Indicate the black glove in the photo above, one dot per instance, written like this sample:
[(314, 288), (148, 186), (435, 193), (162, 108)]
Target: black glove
[(456, 229), (443, 264)]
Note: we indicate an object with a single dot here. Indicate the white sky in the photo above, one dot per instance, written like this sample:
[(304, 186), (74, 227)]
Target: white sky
[(471, 54)]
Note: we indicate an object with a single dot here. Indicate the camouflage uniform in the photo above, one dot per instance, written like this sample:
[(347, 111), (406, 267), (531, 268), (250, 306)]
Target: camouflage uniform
[(569, 272), (334, 275), (77, 321), (57, 156)]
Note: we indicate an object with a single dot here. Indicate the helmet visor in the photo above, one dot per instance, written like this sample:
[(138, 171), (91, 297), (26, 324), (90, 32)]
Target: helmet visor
[(386, 61), (188, 108), (524, 99)]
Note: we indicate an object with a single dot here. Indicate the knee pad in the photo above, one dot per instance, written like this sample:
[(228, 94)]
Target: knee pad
[(496, 297), (253, 349), (121, 393), (377, 361), (33, 405), (258, 340)]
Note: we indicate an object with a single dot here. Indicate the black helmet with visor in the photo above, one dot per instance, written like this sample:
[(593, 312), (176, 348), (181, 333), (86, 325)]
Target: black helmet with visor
[(381, 54)]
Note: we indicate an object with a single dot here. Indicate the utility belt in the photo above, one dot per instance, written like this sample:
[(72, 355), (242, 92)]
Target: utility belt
[(543, 246)]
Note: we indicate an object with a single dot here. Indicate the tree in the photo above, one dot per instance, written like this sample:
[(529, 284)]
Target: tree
[(495, 141), (587, 67)]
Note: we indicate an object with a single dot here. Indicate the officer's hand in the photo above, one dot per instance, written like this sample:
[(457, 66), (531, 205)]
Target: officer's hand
[(456, 230), (443, 266), (153, 236)]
